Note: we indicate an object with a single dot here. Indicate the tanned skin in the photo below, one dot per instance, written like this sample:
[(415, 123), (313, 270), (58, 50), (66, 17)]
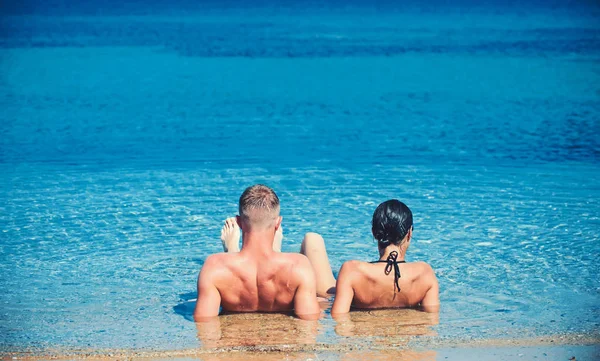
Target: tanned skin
[(256, 279), (364, 285)]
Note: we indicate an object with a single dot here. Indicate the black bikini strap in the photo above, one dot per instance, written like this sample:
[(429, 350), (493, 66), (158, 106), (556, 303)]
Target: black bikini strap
[(391, 262)]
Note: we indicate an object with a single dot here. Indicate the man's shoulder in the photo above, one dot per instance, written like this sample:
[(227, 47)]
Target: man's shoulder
[(295, 258), (298, 266), (217, 258), (218, 261)]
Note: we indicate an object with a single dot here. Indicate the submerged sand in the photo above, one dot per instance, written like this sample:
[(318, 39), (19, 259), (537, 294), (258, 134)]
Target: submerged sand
[(573, 349), (370, 335)]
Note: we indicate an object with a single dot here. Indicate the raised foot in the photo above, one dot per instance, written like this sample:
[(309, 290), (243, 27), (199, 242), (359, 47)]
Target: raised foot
[(230, 235), (277, 240)]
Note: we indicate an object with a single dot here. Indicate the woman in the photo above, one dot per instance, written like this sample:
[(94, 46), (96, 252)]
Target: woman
[(385, 283)]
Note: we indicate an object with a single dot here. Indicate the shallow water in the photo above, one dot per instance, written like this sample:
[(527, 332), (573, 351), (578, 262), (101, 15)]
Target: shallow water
[(122, 151)]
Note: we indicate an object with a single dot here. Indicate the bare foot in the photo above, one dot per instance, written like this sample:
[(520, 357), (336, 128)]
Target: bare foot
[(277, 240), (230, 235)]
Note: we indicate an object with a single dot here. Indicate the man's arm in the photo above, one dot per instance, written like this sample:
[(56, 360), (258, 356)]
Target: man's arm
[(306, 306), (209, 298), (431, 300), (344, 293), (209, 332)]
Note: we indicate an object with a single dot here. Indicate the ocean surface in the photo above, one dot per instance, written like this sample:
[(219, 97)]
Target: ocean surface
[(127, 134)]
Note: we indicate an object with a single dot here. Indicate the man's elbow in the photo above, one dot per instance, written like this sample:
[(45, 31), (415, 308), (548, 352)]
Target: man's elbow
[(308, 308), (204, 314), (200, 316)]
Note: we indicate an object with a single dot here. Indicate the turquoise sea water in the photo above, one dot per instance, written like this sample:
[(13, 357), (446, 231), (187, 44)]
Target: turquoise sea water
[(126, 140)]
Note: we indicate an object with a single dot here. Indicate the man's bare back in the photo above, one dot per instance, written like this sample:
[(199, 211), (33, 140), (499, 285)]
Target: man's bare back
[(247, 283), (257, 278)]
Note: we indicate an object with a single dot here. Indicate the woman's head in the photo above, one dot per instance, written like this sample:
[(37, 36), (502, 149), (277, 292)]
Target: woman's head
[(392, 221)]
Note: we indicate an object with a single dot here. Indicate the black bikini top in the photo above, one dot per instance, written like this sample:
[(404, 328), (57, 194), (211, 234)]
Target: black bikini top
[(391, 262)]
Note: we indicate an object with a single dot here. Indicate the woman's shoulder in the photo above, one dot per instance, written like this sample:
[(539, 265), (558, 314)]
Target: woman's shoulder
[(353, 268)]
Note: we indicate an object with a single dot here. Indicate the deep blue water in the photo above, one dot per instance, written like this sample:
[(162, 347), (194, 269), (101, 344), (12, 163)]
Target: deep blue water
[(127, 135)]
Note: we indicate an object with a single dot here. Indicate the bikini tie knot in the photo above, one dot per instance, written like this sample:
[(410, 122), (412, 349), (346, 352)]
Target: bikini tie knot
[(391, 262)]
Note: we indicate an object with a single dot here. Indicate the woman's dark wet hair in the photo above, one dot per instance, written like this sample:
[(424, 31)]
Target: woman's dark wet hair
[(391, 221)]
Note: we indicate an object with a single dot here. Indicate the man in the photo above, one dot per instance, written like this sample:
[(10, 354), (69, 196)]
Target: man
[(257, 278), (389, 282)]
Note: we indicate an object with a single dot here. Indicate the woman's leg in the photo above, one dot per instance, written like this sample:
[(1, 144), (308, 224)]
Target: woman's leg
[(313, 247)]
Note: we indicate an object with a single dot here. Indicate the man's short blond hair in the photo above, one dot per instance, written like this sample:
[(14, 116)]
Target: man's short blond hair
[(259, 205)]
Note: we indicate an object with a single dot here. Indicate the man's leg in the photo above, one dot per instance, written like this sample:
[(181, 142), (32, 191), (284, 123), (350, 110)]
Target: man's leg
[(313, 247), (230, 235)]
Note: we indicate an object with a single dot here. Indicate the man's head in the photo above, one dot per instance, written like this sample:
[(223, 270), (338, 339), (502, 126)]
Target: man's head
[(392, 223), (259, 209)]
